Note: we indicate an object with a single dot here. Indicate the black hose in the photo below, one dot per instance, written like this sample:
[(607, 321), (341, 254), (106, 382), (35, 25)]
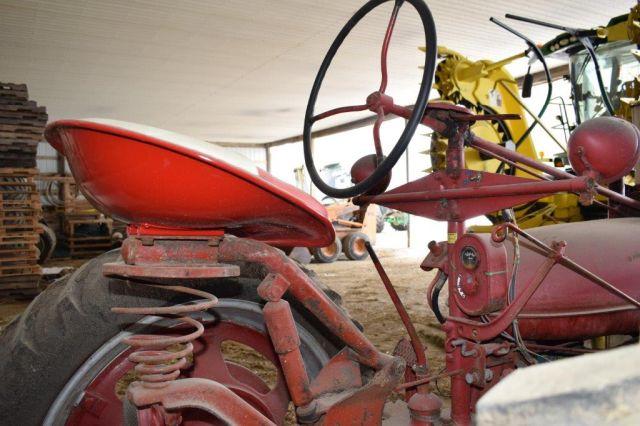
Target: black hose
[(536, 50), (586, 42), (435, 295)]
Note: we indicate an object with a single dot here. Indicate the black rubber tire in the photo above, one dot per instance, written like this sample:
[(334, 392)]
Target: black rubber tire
[(46, 243), (42, 348), (326, 257), (353, 246)]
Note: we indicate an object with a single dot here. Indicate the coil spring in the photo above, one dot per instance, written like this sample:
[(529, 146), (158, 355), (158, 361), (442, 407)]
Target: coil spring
[(156, 363)]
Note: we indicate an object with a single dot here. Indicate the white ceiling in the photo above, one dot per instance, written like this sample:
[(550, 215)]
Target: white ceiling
[(239, 71)]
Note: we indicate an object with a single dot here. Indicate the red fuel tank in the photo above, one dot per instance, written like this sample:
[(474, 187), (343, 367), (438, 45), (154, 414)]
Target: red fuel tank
[(570, 307)]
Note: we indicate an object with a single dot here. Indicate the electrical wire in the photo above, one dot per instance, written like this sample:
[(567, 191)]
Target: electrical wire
[(529, 356)]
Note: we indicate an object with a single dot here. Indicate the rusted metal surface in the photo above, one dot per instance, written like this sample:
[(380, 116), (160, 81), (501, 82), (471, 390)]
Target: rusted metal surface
[(203, 394), (341, 373), (571, 306), (100, 404), (362, 405), (428, 379), (480, 274), (472, 193), (569, 264), (273, 287), (167, 249), (305, 290), (424, 409), (120, 269), (286, 342), (487, 146), (162, 256)]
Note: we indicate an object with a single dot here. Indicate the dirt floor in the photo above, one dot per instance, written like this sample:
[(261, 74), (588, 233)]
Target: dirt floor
[(11, 307), (366, 299)]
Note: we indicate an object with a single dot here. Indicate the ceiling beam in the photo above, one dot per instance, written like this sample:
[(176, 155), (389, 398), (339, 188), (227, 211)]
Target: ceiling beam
[(345, 127), (240, 144), (539, 77)]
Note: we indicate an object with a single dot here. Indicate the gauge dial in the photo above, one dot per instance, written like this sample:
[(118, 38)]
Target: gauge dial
[(469, 257)]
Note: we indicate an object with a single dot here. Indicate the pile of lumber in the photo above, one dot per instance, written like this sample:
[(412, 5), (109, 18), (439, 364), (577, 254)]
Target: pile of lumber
[(20, 212), (78, 226), (87, 231), (22, 124)]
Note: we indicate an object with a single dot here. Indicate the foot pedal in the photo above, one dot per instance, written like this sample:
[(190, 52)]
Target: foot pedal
[(405, 351)]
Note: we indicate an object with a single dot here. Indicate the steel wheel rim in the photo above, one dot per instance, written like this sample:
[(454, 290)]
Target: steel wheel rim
[(330, 250), (359, 247), (247, 314)]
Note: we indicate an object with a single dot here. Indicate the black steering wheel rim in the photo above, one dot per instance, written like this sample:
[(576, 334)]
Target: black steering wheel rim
[(385, 166)]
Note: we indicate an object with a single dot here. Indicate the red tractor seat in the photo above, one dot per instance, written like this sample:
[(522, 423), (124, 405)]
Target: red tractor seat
[(142, 175)]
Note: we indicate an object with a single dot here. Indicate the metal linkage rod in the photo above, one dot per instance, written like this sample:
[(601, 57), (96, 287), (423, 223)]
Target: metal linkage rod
[(418, 348)]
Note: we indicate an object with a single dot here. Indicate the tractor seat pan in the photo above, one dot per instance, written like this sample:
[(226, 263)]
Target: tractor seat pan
[(142, 175)]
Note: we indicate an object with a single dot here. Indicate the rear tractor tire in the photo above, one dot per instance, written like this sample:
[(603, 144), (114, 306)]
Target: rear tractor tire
[(65, 351)]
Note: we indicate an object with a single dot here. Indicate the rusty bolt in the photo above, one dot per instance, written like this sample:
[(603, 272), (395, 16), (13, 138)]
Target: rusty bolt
[(470, 378), (488, 375), (435, 248)]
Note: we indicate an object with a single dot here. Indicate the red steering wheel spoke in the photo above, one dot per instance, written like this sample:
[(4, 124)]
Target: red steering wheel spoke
[(376, 132), (340, 110), (385, 45), (377, 102)]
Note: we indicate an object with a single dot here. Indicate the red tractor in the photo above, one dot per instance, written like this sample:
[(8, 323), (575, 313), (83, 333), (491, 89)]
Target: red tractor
[(113, 344)]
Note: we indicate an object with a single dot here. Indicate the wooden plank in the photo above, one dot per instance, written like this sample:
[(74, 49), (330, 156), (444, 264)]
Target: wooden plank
[(27, 127), (22, 124), (25, 213), (18, 264), (32, 195), (21, 171), (40, 121), (17, 271), (14, 91), (15, 253)]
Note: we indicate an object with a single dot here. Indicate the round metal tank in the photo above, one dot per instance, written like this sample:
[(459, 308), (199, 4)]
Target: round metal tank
[(568, 306)]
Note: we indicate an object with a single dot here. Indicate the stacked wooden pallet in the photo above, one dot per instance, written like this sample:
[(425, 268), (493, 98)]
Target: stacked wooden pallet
[(20, 212), (21, 125), (86, 230)]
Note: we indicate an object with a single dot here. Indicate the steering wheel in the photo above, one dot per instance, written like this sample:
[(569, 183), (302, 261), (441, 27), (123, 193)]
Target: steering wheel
[(378, 102)]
